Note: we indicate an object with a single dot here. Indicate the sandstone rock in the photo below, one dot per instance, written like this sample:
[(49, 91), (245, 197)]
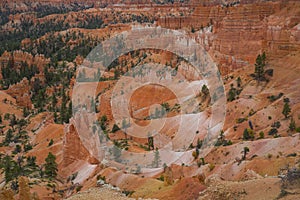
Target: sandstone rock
[(250, 175), (24, 191), (238, 33), (74, 150), (168, 176), (21, 92)]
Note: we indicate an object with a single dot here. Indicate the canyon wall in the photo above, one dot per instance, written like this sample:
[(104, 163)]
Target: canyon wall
[(237, 34), (74, 150), (21, 92)]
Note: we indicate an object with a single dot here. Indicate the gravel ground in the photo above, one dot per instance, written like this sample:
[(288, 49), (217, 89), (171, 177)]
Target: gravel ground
[(101, 193)]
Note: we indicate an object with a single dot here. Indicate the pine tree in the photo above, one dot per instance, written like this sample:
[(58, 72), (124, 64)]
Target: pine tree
[(25, 112), (150, 142), (286, 110), (9, 168), (31, 162), (231, 93), (263, 57), (51, 166), (9, 137), (248, 134), (156, 161), (239, 81), (55, 117), (245, 152), (54, 102), (205, 90), (13, 121), (260, 66), (292, 125), (115, 128)]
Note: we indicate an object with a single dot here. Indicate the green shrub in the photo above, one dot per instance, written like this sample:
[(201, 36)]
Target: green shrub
[(211, 167), (50, 143), (273, 131), (292, 155), (261, 135), (248, 134), (78, 188), (161, 178), (127, 193), (241, 120), (115, 128)]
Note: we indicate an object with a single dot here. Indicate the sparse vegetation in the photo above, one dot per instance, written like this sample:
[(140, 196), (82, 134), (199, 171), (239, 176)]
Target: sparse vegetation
[(222, 141), (289, 180), (292, 125), (115, 128), (50, 143), (261, 135), (211, 166), (156, 160), (286, 109), (245, 152), (273, 98), (45, 48), (51, 166), (196, 153), (205, 91), (260, 67), (248, 134)]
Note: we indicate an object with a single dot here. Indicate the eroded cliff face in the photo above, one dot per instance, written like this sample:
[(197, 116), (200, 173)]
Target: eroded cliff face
[(73, 149), (20, 56), (21, 92), (235, 35)]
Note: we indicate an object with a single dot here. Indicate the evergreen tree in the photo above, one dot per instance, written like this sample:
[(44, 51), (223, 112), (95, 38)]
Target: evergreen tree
[(54, 102), (205, 90), (55, 117), (248, 134), (18, 149), (117, 74), (286, 110), (115, 128), (103, 122), (292, 125), (199, 143), (13, 121), (150, 142), (25, 112), (245, 152), (9, 137), (31, 162), (156, 161), (9, 168), (239, 81), (51, 166), (260, 66), (231, 93)]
